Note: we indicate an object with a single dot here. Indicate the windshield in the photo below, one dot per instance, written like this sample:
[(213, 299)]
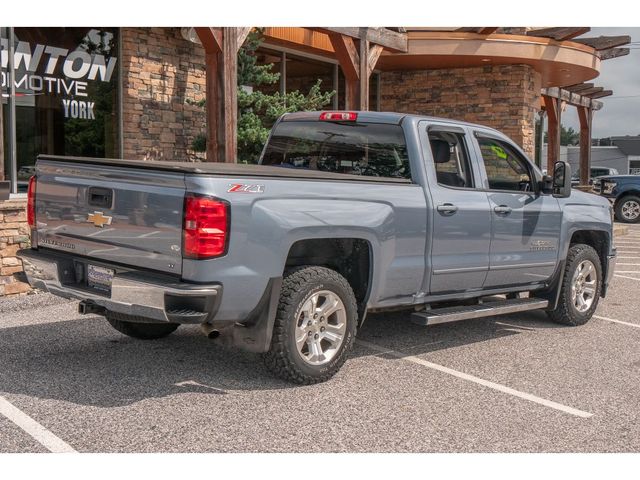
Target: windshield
[(370, 149)]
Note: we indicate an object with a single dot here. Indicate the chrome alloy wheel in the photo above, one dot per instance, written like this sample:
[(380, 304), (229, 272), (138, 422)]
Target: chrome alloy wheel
[(321, 327), (630, 210), (583, 286)]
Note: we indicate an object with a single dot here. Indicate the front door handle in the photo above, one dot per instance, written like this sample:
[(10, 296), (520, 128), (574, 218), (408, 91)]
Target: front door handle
[(502, 210), (447, 208)]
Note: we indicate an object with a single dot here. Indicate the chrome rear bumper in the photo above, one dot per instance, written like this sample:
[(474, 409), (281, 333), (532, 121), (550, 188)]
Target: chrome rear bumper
[(132, 294)]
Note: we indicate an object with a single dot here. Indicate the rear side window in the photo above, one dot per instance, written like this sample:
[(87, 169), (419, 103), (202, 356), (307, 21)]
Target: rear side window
[(450, 159), (370, 149)]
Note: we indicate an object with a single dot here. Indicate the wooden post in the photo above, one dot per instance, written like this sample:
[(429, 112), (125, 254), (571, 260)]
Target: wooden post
[(552, 106), (585, 114), (221, 47), (364, 74)]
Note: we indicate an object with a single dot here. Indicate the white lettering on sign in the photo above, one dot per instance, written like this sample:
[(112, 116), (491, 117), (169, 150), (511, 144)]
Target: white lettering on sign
[(78, 109)]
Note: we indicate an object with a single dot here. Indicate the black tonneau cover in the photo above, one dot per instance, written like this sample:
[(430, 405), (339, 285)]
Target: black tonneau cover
[(225, 169)]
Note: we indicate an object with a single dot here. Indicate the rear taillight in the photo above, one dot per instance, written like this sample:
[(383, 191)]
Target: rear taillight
[(339, 116), (206, 227), (31, 202)]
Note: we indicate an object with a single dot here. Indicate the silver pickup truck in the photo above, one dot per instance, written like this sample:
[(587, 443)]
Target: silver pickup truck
[(347, 213)]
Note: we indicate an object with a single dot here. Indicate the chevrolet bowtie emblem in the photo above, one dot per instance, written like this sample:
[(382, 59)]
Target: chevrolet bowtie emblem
[(99, 219)]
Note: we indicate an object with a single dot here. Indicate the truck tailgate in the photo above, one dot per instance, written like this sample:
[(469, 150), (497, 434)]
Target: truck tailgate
[(115, 214)]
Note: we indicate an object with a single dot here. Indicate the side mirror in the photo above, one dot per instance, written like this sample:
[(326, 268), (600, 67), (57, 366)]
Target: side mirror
[(561, 180), (546, 185)]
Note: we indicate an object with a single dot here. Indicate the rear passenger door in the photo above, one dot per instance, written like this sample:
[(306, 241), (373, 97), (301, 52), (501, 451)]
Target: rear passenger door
[(461, 219), (525, 224)]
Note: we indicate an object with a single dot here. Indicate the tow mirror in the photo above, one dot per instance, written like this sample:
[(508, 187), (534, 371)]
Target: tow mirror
[(561, 180), (546, 185)]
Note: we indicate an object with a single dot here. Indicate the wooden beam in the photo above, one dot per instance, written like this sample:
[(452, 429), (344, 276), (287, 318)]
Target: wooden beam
[(393, 41), (559, 33), (613, 53), (374, 55), (211, 38), (363, 92), (604, 43), (242, 34), (604, 93), (578, 87), (552, 107), (585, 116), (586, 93), (347, 54)]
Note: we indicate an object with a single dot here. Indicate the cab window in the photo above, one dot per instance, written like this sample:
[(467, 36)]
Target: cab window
[(450, 159), (506, 169)]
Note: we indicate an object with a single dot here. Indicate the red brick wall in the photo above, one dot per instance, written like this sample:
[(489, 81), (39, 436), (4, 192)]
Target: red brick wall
[(161, 71), (14, 235), (504, 97)]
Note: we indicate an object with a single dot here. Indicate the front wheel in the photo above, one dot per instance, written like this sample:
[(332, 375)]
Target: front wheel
[(315, 326), (628, 209), (581, 287)]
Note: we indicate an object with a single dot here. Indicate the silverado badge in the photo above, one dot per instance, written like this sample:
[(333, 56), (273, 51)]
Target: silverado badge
[(99, 219)]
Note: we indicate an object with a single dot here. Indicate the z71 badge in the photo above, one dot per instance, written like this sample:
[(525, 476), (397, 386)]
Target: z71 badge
[(243, 188)]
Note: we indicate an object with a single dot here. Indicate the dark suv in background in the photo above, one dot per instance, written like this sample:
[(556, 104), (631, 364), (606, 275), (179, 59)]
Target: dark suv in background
[(624, 192)]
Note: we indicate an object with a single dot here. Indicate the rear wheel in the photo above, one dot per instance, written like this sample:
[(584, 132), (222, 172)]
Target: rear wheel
[(142, 331), (581, 287), (315, 326), (628, 209)]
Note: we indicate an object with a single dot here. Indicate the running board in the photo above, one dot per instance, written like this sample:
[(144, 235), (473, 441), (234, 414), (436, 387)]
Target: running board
[(486, 309)]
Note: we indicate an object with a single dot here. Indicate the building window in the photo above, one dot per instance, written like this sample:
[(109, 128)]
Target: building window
[(66, 95)]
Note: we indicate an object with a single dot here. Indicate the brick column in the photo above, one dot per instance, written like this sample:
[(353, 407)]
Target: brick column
[(14, 235)]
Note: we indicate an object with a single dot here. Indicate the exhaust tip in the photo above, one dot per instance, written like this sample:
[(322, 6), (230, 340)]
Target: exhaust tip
[(213, 334)]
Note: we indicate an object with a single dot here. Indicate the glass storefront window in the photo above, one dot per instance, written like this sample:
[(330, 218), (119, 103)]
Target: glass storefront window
[(66, 94)]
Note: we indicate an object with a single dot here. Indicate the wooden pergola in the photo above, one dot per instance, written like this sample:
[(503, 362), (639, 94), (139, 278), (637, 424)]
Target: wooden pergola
[(583, 96), (357, 50)]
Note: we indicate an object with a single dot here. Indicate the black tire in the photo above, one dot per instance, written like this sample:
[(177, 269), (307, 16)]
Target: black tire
[(299, 284), (142, 331), (621, 203), (566, 312)]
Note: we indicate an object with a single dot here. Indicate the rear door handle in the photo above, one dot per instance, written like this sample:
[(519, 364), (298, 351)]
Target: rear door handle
[(447, 208), (502, 210)]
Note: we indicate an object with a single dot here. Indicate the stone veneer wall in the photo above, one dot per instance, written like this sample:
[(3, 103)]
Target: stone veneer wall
[(14, 235), (161, 73), (504, 97)]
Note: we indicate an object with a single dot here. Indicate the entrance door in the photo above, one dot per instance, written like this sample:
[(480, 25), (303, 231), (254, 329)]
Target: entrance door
[(461, 216), (526, 224)]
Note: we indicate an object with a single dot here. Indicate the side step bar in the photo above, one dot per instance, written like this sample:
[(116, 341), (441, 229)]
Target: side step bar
[(486, 309)]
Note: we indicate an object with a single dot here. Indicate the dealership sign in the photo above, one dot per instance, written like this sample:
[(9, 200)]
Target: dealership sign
[(45, 69)]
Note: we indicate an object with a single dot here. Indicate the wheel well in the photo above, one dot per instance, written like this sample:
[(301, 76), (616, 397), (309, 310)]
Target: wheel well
[(350, 257), (596, 239), (635, 193)]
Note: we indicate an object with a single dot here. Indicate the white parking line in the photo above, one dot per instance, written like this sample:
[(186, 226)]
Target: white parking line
[(627, 271), (479, 381), (627, 258), (624, 276), (634, 264), (635, 325), (39, 433)]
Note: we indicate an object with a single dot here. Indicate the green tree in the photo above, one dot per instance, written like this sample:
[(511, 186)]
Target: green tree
[(258, 111), (568, 136)]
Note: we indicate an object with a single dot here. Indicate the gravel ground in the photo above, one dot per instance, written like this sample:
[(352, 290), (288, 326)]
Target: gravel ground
[(99, 391)]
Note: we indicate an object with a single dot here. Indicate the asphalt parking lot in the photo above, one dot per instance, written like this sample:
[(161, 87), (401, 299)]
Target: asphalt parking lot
[(514, 383)]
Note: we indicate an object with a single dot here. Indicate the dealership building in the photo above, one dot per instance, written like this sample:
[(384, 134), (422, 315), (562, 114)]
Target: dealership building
[(134, 92)]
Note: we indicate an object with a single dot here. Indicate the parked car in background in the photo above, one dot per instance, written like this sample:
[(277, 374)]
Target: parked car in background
[(347, 213), (623, 191), (594, 173)]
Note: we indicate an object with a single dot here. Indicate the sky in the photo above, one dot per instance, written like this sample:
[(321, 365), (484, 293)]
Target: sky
[(620, 114)]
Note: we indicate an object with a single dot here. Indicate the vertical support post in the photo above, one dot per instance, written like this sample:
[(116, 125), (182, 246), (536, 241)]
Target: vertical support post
[(585, 115), (378, 91), (230, 102), (213, 96), (283, 73), (13, 152), (336, 87), (540, 140), (363, 104), (552, 105)]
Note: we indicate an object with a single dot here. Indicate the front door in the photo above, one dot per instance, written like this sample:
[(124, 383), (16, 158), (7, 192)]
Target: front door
[(459, 256), (526, 224)]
